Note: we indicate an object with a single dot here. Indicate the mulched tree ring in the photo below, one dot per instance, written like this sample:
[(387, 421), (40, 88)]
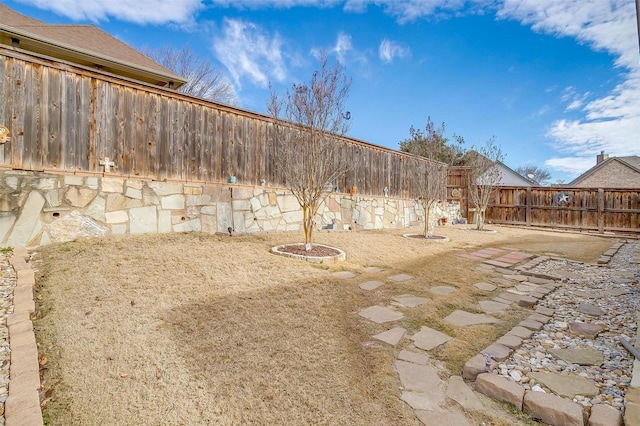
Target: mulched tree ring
[(429, 239), (488, 231), (318, 254)]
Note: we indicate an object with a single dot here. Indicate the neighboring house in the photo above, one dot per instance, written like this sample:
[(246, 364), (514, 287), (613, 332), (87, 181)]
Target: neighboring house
[(84, 45), (509, 177), (610, 172)]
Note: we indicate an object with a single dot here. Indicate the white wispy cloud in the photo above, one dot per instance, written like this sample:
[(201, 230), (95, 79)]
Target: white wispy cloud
[(139, 11), (574, 99), (410, 10), (343, 46), (343, 49), (280, 4), (248, 52), (610, 123), (389, 50)]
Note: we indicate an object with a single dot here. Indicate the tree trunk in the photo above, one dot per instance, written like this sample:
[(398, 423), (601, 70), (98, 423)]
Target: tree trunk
[(307, 224), (480, 219)]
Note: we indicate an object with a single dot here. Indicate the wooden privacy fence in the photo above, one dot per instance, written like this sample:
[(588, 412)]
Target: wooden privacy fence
[(457, 187), (584, 209), (65, 117)]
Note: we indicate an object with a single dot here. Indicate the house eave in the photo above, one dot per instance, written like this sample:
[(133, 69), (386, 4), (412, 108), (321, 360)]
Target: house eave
[(39, 44)]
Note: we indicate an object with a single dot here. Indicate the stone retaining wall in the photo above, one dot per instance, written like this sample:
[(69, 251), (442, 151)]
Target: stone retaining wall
[(40, 208)]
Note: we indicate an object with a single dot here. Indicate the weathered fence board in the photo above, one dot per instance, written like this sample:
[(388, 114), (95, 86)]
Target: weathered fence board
[(585, 209), (70, 118)]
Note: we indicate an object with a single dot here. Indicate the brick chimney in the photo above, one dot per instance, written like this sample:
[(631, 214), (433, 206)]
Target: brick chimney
[(601, 157)]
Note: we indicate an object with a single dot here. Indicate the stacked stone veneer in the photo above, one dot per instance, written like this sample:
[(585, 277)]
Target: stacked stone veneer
[(40, 208)]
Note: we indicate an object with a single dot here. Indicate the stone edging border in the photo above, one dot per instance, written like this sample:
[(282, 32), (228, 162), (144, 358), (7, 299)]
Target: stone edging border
[(440, 239), (549, 408), (23, 402), (313, 259)]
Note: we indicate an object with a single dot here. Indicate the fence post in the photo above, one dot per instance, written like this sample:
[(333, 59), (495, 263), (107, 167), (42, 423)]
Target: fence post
[(528, 207), (601, 210)]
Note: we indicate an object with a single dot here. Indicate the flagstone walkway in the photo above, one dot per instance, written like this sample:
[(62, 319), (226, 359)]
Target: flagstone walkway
[(422, 387)]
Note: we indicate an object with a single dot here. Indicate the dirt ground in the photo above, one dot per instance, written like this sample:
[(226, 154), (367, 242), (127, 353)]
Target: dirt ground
[(195, 329)]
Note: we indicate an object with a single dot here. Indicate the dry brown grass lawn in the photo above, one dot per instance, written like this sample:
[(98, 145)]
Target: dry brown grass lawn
[(197, 329)]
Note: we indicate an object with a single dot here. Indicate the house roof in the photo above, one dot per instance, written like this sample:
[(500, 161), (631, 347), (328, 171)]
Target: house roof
[(85, 45), (632, 162), (524, 180)]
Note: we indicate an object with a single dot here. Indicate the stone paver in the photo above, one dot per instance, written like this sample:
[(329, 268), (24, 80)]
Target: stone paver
[(381, 314), (527, 301), (510, 341), (463, 318), (523, 333), (461, 393), (510, 296), (485, 286), (501, 389), (553, 409), (420, 378), (441, 418), (498, 351), (503, 301), (392, 336), (588, 309), (526, 288), (372, 269), (344, 275), (580, 356), (476, 365), (539, 317), (423, 400), (605, 415), (544, 311), (400, 277), (585, 329), (371, 285), (497, 263), (501, 282), (411, 301), (442, 289), (531, 324), (490, 306), (414, 357), (428, 338), (567, 386)]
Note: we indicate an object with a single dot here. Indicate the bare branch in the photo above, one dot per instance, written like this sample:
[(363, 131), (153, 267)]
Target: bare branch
[(307, 122), (485, 176), (203, 80)]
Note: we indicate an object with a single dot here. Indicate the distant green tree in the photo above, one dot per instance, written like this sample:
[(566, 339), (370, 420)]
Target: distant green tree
[(538, 175), (433, 144)]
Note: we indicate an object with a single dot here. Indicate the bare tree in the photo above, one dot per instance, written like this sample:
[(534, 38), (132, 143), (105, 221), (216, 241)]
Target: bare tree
[(432, 185), (485, 176), (203, 80), (431, 178), (538, 175), (307, 120)]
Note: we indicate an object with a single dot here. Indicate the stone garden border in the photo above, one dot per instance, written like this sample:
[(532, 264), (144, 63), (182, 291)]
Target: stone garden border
[(22, 406), (341, 256), (488, 231), (438, 239), (550, 408)]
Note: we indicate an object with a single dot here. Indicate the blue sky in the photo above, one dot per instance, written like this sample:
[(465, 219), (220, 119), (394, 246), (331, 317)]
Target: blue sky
[(555, 81)]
